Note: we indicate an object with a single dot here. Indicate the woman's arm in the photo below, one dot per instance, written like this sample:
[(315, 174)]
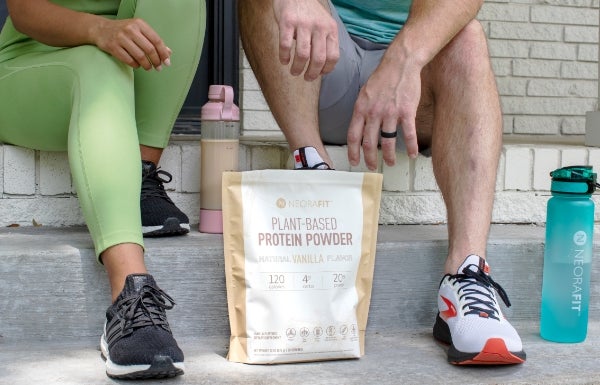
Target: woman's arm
[(132, 41)]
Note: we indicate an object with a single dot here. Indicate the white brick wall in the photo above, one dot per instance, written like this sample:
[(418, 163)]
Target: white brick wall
[(35, 187), (545, 54)]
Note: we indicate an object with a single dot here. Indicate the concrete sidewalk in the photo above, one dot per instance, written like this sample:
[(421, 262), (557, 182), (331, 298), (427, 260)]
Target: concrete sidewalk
[(404, 357)]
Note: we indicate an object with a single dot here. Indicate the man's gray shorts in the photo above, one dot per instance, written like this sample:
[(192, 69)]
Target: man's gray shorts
[(339, 88)]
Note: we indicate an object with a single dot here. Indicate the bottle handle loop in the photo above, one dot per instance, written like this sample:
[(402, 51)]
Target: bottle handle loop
[(576, 174)]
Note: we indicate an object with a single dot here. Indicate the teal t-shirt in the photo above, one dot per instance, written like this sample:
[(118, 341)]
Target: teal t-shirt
[(376, 20)]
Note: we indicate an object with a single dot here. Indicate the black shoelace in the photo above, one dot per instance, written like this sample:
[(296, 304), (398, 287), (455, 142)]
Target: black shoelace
[(316, 167), (145, 309), (476, 288), (152, 184)]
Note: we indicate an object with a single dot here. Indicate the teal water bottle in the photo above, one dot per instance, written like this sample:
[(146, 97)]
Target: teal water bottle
[(568, 255)]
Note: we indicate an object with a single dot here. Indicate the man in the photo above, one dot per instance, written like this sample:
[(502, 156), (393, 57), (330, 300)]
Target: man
[(355, 72)]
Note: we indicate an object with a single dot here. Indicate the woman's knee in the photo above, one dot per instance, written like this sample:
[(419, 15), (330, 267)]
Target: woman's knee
[(91, 61), (99, 74)]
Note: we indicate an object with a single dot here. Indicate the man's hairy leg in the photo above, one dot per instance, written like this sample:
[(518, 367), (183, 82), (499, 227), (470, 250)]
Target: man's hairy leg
[(292, 100), (467, 140)]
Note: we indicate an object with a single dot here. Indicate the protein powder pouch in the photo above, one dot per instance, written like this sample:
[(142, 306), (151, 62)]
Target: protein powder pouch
[(299, 258)]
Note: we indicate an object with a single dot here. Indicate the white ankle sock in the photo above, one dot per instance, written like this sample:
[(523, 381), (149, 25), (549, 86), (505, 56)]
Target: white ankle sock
[(308, 157)]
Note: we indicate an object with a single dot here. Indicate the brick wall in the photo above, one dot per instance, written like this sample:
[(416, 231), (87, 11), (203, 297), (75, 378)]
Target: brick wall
[(545, 55), (36, 188)]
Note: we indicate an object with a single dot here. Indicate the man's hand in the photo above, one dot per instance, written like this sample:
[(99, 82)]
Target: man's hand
[(133, 42), (389, 98), (314, 30)]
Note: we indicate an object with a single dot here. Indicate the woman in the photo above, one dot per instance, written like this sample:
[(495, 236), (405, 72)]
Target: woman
[(105, 81)]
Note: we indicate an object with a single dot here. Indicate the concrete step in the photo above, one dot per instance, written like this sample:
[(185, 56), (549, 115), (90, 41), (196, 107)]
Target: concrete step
[(55, 295), (407, 356)]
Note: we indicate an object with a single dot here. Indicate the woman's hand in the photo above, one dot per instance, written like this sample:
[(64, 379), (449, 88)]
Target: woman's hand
[(133, 42)]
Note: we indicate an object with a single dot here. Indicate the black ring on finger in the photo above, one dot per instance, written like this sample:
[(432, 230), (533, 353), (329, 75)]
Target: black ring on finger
[(389, 134)]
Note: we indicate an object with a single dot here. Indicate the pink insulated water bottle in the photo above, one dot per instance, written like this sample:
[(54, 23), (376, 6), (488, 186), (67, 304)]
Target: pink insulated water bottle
[(219, 147)]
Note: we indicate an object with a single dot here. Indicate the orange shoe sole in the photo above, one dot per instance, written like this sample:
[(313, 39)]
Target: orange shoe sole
[(493, 353)]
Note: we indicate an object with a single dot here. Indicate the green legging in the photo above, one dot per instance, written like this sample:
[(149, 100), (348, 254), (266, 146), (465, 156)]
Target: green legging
[(86, 102)]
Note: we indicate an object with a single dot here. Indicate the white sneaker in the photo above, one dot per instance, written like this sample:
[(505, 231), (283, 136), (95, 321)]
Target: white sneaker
[(470, 319)]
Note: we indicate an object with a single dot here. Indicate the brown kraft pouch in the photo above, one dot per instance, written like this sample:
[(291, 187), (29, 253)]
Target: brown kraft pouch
[(299, 258)]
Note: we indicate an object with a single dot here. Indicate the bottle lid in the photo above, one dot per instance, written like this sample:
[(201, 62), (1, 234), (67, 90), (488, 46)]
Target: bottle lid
[(574, 180), (220, 105)]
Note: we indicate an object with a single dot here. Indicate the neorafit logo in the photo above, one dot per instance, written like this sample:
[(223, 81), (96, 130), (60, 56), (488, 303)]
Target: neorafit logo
[(283, 203)]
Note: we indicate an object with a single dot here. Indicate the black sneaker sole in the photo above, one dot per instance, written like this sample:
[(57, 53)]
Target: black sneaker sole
[(441, 331), (161, 367), (171, 227), (493, 353)]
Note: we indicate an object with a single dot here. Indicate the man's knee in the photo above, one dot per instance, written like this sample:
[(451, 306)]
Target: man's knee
[(473, 32), (471, 40), (466, 55)]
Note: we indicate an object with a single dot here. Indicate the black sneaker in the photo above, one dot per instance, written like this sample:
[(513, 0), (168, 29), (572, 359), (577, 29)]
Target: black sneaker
[(137, 342), (160, 216)]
